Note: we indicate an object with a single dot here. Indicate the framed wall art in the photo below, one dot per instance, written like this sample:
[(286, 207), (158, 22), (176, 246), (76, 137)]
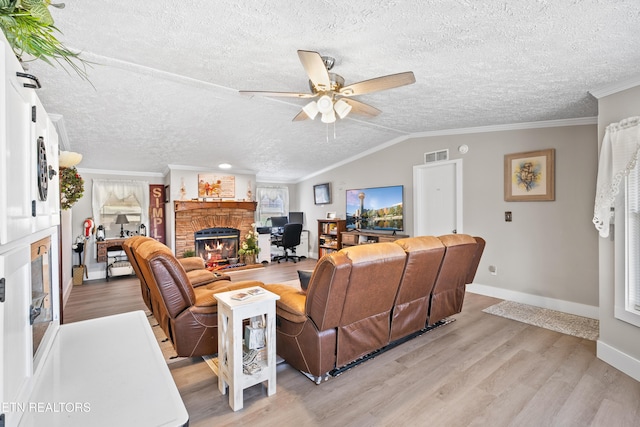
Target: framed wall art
[(216, 186), (322, 194), (529, 176)]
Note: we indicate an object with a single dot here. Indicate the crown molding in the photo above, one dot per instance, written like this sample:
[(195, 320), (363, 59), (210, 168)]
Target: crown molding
[(120, 173), (61, 128), (581, 121), (612, 88)]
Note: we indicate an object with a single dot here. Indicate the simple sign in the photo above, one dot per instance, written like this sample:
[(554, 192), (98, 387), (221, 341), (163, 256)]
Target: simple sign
[(157, 220)]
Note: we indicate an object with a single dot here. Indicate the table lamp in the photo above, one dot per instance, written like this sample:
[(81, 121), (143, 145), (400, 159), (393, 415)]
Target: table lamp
[(122, 219)]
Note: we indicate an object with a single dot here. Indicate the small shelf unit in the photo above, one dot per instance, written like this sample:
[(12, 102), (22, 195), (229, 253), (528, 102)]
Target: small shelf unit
[(330, 235)]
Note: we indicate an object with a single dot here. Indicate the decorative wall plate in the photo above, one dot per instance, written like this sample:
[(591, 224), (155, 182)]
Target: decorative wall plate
[(43, 170)]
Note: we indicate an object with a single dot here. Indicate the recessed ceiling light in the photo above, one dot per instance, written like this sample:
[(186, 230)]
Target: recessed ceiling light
[(224, 166)]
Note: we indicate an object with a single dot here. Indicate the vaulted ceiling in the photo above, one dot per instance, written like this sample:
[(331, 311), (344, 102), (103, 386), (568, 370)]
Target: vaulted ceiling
[(166, 75)]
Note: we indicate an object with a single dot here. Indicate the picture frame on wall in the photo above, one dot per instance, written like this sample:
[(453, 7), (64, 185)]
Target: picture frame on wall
[(322, 194), (529, 176)]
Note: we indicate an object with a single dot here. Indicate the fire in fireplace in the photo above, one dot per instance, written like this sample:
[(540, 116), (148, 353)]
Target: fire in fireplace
[(217, 245)]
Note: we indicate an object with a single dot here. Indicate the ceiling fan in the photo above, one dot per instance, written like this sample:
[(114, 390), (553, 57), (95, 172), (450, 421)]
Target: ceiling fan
[(333, 97)]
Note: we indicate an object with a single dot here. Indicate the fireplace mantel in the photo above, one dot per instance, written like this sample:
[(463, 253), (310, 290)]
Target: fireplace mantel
[(187, 205)]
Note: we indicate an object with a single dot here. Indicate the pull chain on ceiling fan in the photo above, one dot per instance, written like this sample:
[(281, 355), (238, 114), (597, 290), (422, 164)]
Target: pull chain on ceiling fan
[(333, 97)]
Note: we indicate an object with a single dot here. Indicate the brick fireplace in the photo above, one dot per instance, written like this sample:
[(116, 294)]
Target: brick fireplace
[(194, 216)]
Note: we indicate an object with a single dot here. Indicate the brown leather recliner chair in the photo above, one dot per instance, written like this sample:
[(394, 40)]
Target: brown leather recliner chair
[(187, 315), (459, 265), (345, 312), (411, 308), (194, 267), (375, 276)]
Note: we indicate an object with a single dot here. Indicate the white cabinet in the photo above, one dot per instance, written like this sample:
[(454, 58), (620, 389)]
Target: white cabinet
[(28, 232), (264, 243), (303, 248), (15, 339), (15, 154), (29, 185), (45, 183)]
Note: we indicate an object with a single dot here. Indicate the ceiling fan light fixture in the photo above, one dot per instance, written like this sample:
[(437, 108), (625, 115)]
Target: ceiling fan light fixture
[(342, 108), (329, 117), (325, 104), (311, 110)]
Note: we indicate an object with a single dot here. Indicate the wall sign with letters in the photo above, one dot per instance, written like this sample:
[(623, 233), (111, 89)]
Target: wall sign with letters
[(157, 221)]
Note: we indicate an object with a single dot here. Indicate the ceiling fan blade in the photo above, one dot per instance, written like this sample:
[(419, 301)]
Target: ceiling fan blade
[(278, 94), (300, 116), (379, 83), (358, 107), (316, 70)]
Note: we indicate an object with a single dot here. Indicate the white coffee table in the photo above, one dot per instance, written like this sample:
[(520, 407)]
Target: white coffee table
[(231, 314)]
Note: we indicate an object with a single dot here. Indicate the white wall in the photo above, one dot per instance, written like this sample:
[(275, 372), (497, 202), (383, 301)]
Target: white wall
[(547, 256)]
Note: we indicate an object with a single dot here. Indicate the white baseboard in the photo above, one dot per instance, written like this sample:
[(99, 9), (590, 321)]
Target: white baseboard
[(619, 360), (67, 292), (577, 309)]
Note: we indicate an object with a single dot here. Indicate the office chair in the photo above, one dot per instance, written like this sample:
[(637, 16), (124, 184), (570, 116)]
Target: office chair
[(290, 239)]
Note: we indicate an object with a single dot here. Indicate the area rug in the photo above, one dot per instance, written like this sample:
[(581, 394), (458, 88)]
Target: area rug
[(570, 324)]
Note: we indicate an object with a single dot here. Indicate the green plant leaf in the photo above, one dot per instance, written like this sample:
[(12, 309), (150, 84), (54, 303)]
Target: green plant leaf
[(7, 4), (28, 4), (41, 13), (7, 21)]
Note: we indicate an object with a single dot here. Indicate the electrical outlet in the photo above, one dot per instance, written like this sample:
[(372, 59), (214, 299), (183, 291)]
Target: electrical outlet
[(493, 270)]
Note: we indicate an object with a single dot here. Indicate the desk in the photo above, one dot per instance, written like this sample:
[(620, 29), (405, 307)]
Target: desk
[(230, 328), (107, 371), (103, 249)]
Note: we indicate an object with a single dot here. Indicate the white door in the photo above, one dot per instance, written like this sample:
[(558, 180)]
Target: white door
[(437, 197)]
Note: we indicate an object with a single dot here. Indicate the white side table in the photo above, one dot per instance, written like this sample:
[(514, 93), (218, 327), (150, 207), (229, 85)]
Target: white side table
[(231, 313)]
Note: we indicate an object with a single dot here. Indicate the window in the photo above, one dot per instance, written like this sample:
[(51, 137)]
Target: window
[(618, 184), (627, 250), (112, 198), (272, 201)]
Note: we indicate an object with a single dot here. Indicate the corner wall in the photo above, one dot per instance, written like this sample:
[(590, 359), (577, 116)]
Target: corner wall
[(548, 255), (619, 343)]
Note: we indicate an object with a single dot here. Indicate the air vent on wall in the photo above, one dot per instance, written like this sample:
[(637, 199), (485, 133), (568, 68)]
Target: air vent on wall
[(436, 156)]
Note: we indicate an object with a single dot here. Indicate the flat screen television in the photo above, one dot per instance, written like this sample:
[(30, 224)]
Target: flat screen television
[(296, 217), (377, 208)]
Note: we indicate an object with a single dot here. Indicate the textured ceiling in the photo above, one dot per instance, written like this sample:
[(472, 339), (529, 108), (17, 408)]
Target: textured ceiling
[(166, 75)]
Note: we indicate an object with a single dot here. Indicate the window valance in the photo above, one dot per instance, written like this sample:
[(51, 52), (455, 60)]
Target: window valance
[(618, 156), (104, 189)]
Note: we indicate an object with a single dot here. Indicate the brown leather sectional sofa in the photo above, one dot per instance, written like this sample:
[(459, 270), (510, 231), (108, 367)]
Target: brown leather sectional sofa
[(182, 301), (365, 298)]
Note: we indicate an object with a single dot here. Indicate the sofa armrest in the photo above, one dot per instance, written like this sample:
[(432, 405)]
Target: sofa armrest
[(291, 304), (227, 285), (191, 263)]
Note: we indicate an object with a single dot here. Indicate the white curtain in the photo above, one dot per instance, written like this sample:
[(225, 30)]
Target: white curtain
[(618, 156), (103, 189), (272, 201)]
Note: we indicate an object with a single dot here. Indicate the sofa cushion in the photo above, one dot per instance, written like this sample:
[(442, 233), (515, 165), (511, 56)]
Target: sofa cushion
[(291, 303), (202, 277), (305, 277), (192, 263)]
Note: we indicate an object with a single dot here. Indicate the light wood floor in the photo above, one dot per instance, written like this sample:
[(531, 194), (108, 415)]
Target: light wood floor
[(480, 370)]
